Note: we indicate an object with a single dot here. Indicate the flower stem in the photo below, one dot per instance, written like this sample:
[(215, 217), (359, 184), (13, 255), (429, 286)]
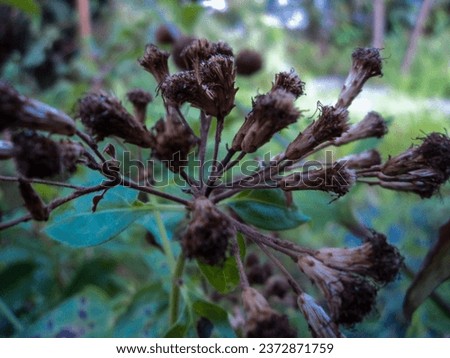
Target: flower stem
[(9, 315), (174, 301)]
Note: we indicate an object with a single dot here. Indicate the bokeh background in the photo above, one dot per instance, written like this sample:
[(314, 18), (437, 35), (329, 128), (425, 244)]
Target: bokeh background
[(54, 52)]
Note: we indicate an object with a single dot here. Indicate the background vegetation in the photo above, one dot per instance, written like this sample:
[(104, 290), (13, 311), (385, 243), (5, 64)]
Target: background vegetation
[(120, 288)]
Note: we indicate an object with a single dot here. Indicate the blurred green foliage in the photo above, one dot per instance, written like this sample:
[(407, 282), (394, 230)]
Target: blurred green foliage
[(121, 288)]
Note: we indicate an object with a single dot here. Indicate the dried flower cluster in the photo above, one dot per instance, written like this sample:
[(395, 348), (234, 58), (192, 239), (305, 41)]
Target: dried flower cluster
[(348, 278)]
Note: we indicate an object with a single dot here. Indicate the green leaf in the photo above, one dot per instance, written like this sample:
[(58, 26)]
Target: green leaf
[(434, 271), (87, 314), (223, 278), (146, 316), (30, 7), (267, 209), (217, 315)]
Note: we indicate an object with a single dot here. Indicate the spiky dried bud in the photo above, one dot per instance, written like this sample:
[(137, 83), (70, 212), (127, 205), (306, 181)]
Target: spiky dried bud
[(33, 202), (104, 116), (330, 125), (200, 50), (372, 125), (271, 113), (178, 47), (337, 179), (366, 63), (248, 62), (210, 88), (349, 296), (208, 233), (17, 110), (140, 99), (420, 169), (164, 35), (290, 82), (6, 150), (376, 258), (262, 320), (319, 323), (155, 62), (362, 160), (173, 142), (36, 156)]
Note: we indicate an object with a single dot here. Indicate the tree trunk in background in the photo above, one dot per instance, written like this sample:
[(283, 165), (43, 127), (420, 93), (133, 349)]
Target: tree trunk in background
[(415, 35), (379, 15)]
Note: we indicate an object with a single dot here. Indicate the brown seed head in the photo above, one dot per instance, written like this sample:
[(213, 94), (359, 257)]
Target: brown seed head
[(164, 35), (140, 99), (362, 160), (290, 82), (208, 233), (200, 50), (271, 113), (262, 320), (155, 62), (104, 116), (349, 296), (331, 123), (248, 62), (178, 47)]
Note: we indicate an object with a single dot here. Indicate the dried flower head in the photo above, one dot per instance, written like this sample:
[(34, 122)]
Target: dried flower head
[(33, 201), (362, 160), (173, 142), (248, 62), (376, 258), (17, 110), (349, 296), (262, 320), (71, 152), (164, 35), (271, 113), (366, 63), (337, 179), (420, 169), (207, 234), (36, 156), (331, 124), (290, 82), (373, 125), (104, 116), (140, 99), (200, 50), (179, 88), (319, 323), (155, 62)]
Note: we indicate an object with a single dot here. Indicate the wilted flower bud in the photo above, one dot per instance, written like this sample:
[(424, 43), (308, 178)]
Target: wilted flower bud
[(208, 233), (105, 116), (6, 150), (362, 160), (376, 258), (290, 82), (336, 179), (349, 296), (320, 325), (36, 156), (262, 320), (20, 111), (248, 62), (173, 142), (373, 125), (33, 201), (71, 152), (271, 113), (164, 35), (366, 63), (140, 99), (330, 125), (178, 47), (155, 62)]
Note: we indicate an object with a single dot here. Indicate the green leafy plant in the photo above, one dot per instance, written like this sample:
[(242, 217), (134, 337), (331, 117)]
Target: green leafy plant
[(198, 207)]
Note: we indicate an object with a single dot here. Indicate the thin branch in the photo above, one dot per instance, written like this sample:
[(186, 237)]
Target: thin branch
[(41, 181), (90, 142), (242, 275)]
